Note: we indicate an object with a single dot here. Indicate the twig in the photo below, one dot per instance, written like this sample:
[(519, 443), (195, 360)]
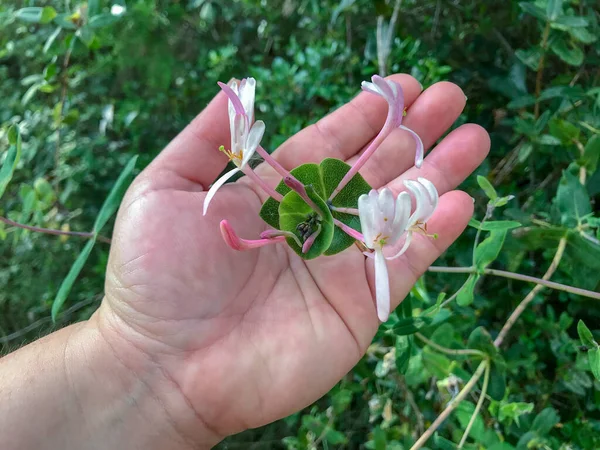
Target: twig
[(538, 287), (486, 380), (384, 39), (63, 98), (540, 71), (517, 276), (450, 351), (452, 405), (85, 235)]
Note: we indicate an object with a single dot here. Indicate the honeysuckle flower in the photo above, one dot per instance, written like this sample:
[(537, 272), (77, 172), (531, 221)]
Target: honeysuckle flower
[(235, 242), (383, 220), (426, 201), (393, 94), (245, 135)]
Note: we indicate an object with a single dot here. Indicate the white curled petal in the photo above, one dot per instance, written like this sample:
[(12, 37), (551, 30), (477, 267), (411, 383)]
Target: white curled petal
[(382, 286), (247, 95), (407, 241), (233, 84), (384, 87), (401, 217), (420, 150), (422, 204), (377, 216), (386, 205), (370, 87), (253, 141), (431, 190), (366, 216), (215, 187)]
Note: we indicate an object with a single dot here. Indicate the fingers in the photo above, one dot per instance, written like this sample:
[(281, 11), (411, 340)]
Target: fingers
[(432, 113), (453, 160), (193, 157), (345, 131), (449, 221)]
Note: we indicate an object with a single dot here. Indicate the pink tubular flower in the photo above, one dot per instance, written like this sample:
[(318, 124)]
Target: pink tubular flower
[(235, 242)]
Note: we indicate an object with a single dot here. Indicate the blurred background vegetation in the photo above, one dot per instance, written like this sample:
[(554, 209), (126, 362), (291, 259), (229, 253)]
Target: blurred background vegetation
[(92, 84)]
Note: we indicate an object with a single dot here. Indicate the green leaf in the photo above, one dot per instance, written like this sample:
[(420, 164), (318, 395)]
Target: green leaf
[(570, 22), (522, 102), (67, 284), (591, 153), (67, 21), (548, 139), (441, 443), (480, 339), (465, 295), (410, 325), (102, 20), (513, 411), (488, 250), (586, 336), (497, 383), (436, 363), (12, 158), (565, 131), (501, 446), (534, 10), (572, 199), (545, 421), (404, 346), (594, 360), (487, 187), (530, 57), (554, 9), (113, 200), (48, 13), (325, 178), (571, 55), (293, 211), (494, 225), (583, 35), (32, 14)]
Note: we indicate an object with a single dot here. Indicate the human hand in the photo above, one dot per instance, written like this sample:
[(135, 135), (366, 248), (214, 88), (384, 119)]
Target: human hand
[(239, 339)]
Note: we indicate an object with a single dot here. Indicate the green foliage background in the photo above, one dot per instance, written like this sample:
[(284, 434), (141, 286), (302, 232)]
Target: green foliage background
[(89, 90)]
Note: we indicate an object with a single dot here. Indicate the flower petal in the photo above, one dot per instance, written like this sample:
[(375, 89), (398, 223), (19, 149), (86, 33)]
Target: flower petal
[(366, 215), (235, 242), (382, 286), (233, 98), (215, 187), (253, 140), (419, 149), (367, 86), (247, 95), (407, 241), (431, 190), (383, 86), (387, 206), (403, 204)]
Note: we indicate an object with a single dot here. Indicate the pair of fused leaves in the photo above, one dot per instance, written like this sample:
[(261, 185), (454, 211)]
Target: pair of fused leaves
[(320, 181)]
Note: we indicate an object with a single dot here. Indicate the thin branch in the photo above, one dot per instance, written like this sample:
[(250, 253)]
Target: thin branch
[(540, 71), (528, 299), (54, 232), (517, 276), (452, 405), (450, 351), (63, 99), (486, 380)]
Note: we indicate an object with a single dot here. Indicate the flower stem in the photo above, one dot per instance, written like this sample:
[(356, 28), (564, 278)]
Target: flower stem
[(262, 183), (486, 380), (521, 277), (452, 405), (53, 231), (353, 211), (348, 230), (385, 131), (450, 351)]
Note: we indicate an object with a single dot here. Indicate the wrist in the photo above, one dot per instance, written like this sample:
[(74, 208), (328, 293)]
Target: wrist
[(127, 399)]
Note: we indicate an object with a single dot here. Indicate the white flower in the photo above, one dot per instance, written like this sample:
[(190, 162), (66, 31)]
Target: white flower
[(384, 221), (245, 135), (393, 94)]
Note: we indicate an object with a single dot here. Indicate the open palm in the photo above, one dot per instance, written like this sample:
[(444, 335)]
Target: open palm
[(244, 338)]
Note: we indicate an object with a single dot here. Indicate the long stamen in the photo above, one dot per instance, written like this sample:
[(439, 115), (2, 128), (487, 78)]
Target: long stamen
[(349, 230), (237, 243), (247, 170)]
